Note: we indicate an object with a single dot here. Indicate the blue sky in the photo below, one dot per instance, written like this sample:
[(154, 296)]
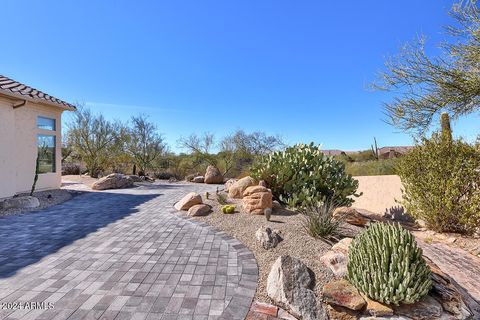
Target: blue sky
[(295, 68)]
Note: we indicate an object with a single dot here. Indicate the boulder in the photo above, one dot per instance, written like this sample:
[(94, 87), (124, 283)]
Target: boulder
[(342, 246), (188, 201), (199, 210), (268, 238), (198, 179), (213, 175), (20, 203), (113, 181), (256, 199), (425, 309), (235, 191), (254, 189), (288, 285), (229, 183), (191, 176), (351, 216), (343, 293), (336, 262)]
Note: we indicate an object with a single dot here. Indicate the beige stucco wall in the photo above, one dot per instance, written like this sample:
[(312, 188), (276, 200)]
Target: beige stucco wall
[(18, 147), (379, 192)]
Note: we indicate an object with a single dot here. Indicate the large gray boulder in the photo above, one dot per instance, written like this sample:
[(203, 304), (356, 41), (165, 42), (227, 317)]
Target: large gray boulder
[(25, 202), (213, 175), (113, 181), (288, 285)]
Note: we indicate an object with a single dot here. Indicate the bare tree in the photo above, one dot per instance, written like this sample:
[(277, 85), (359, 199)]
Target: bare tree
[(425, 86), (144, 143), (200, 146), (91, 136)]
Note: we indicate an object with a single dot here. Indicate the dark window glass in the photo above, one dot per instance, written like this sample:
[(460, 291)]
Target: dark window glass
[(46, 153), (46, 123)]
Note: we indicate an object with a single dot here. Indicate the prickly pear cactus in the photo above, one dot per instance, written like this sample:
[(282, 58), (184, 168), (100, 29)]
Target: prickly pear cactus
[(385, 263)]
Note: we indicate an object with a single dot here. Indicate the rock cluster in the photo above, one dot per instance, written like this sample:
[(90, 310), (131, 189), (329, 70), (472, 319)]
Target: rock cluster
[(113, 181), (188, 201)]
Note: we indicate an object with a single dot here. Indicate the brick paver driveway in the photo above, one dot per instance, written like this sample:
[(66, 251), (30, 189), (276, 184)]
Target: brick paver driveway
[(123, 254)]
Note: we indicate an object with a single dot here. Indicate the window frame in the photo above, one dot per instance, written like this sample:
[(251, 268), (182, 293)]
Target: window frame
[(54, 152), (54, 127)]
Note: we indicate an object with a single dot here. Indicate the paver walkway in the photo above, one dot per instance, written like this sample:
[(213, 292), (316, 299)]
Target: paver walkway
[(122, 254)]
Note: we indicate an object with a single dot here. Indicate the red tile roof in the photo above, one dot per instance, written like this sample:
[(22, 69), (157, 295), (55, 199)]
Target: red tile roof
[(12, 87)]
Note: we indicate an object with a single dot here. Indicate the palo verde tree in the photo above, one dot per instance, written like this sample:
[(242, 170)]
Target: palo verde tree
[(425, 86), (144, 143), (91, 136)]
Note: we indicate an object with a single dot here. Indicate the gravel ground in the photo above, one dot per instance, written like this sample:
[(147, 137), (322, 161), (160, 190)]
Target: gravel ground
[(46, 198), (296, 242)]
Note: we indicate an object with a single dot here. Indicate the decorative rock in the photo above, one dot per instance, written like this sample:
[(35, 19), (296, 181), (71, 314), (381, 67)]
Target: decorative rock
[(268, 238), (256, 199), (377, 309), (262, 183), (20, 203), (288, 285), (199, 210), (336, 262), (236, 190), (229, 183), (425, 309), (264, 308), (198, 179), (284, 315), (188, 201), (254, 189), (446, 292), (342, 293), (113, 181), (213, 175), (351, 216), (276, 204), (341, 313), (342, 246)]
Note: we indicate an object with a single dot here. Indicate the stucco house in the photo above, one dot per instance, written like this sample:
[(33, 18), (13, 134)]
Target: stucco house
[(30, 125)]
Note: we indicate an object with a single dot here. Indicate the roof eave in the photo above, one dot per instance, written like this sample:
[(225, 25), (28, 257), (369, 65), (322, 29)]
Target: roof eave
[(10, 94)]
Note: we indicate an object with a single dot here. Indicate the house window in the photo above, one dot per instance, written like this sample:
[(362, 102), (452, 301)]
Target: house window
[(46, 123), (46, 153)]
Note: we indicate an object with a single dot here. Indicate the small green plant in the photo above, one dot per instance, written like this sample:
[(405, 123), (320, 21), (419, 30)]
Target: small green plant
[(440, 178), (303, 176), (222, 199), (207, 195), (318, 221), (385, 263), (228, 209)]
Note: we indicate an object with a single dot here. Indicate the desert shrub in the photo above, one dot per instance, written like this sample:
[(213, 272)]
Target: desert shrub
[(318, 221), (70, 168), (441, 181), (303, 176), (372, 168), (165, 175), (385, 263), (222, 199)]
